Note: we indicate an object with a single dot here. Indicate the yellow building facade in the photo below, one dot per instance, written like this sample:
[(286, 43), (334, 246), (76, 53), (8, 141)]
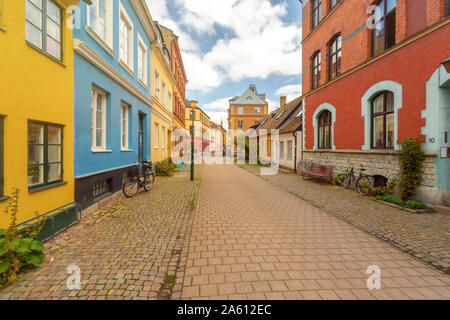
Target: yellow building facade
[(37, 108), (162, 99)]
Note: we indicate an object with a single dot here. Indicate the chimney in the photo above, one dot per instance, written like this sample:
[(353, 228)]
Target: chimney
[(194, 103), (264, 97), (283, 101)]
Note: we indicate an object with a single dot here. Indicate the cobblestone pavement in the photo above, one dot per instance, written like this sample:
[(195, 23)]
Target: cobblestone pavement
[(134, 249), (253, 240), (425, 236)]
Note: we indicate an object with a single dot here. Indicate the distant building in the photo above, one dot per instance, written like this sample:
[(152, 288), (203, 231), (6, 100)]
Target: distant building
[(199, 120), (247, 110)]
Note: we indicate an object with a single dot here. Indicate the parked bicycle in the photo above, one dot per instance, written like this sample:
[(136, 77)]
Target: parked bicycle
[(362, 184), (145, 178)]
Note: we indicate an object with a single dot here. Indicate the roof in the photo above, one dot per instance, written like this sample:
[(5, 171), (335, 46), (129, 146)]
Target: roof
[(249, 97), (294, 122), (278, 117)]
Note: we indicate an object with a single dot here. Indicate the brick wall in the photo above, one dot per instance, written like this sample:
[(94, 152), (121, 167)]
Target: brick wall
[(348, 18)]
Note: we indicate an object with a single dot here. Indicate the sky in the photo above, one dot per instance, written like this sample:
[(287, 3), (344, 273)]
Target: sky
[(227, 45)]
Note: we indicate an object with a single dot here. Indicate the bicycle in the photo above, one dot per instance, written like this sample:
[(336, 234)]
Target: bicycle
[(145, 178), (362, 184)]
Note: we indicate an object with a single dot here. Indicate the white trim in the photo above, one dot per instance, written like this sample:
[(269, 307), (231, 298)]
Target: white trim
[(388, 85), (102, 43), (91, 56), (142, 46), (323, 107), (156, 135), (95, 93), (123, 16), (109, 39), (163, 137), (124, 147)]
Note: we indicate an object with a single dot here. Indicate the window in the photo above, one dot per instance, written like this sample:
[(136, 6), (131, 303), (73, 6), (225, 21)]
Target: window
[(325, 130), (157, 91), (315, 71), (163, 93), (125, 38), (334, 57), (383, 36), (316, 10), (98, 108), (333, 3), (281, 149), (240, 110), (383, 121), (124, 126), (2, 181), (43, 22), (163, 137), (156, 139), (258, 110), (170, 102), (256, 123), (447, 8), (99, 20), (240, 124), (44, 154), (142, 61), (101, 187), (279, 116), (289, 150)]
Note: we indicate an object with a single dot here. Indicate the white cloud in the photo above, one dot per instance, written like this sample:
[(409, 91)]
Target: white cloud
[(292, 91), (217, 110), (261, 43)]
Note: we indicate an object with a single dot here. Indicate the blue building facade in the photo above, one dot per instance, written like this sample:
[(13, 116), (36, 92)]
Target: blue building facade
[(112, 95)]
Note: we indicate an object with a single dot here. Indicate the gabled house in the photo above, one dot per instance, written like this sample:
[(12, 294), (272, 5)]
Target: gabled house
[(112, 96)]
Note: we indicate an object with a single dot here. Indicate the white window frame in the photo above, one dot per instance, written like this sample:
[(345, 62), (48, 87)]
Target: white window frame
[(142, 61), (157, 84), (156, 137), (240, 110), (289, 150), (95, 93), (163, 137), (258, 110), (129, 59), (124, 147), (108, 14), (240, 121), (170, 100), (163, 93)]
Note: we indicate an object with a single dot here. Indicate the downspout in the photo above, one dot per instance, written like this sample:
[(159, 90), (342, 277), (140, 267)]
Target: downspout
[(295, 151)]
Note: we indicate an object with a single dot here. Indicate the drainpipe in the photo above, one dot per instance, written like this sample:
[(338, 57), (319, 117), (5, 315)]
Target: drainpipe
[(295, 151)]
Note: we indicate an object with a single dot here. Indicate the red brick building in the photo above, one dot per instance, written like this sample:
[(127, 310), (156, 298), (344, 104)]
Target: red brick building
[(372, 78)]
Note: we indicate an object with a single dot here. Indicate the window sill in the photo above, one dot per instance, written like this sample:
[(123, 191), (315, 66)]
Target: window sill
[(4, 30), (101, 151), (45, 187), (127, 68), (100, 41), (126, 150), (142, 83), (4, 198), (46, 54)]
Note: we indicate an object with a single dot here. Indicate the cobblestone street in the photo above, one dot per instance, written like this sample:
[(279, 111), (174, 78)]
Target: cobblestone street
[(134, 249), (228, 235), (254, 240), (426, 236)]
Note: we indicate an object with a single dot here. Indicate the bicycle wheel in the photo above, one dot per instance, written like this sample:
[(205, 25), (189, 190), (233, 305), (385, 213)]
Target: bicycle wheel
[(149, 181), (348, 181), (130, 187), (364, 185)]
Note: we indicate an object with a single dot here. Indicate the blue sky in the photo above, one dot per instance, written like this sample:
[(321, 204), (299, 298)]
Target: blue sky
[(228, 44)]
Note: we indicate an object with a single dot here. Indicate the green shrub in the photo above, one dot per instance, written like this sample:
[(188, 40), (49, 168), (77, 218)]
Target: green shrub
[(416, 205), (18, 251), (339, 178), (411, 165), (419, 205), (163, 169)]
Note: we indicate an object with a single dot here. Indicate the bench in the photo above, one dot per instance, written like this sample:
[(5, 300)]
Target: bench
[(318, 171)]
